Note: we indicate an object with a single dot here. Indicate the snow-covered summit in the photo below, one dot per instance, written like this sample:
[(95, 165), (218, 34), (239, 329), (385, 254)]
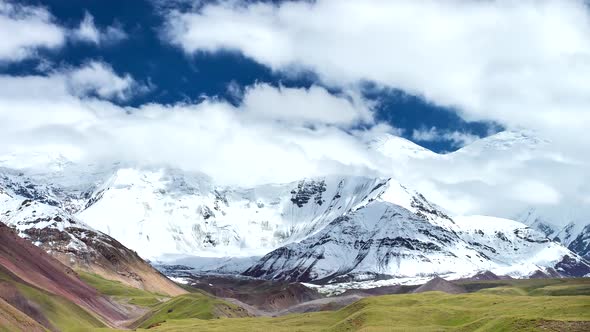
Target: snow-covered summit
[(398, 148), (163, 213), (508, 175), (511, 141), (385, 240)]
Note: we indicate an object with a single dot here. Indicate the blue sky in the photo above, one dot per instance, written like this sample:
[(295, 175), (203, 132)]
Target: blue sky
[(174, 76), (252, 92)]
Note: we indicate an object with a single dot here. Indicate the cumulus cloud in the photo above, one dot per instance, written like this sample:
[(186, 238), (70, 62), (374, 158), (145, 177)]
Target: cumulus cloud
[(99, 78), (233, 144), (92, 79), (88, 32), (306, 106), (456, 138), (25, 29), (520, 63), (502, 175)]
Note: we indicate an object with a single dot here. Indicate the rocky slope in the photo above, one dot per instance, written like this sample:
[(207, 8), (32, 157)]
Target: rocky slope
[(22, 263), (77, 245), (571, 227), (399, 234)]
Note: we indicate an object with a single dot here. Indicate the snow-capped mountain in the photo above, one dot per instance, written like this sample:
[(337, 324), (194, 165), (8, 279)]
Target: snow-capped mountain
[(571, 227), (169, 212), (73, 242), (514, 248), (385, 239), (567, 221), (399, 148), (463, 182), (322, 229), (165, 211), (515, 142), (378, 240)]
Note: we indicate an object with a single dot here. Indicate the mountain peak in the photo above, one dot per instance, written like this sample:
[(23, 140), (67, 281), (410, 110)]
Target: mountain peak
[(398, 147), (509, 140)]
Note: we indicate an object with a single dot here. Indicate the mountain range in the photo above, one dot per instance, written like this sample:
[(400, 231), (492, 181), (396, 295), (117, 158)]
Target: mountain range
[(110, 217)]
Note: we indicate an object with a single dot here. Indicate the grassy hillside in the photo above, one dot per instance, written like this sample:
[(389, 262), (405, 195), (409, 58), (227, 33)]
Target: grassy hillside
[(61, 313), (499, 305), (196, 305), (122, 292), (425, 312), (532, 287), (11, 319), (525, 305)]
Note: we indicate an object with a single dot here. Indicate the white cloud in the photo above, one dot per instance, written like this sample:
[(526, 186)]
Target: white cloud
[(91, 79), (236, 145), (426, 135), (239, 145), (521, 63), (88, 32), (502, 175), (99, 78), (535, 193), (460, 139), (305, 106), (524, 64), (456, 138), (24, 29)]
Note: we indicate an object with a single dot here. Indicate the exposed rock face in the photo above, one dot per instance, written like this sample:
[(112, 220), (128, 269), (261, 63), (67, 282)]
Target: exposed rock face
[(581, 244), (379, 239), (309, 190), (440, 285), (382, 239), (570, 267), (570, 229), (547, 273)]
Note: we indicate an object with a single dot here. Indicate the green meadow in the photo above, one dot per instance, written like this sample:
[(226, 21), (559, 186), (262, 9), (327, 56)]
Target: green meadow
[(504, 305)]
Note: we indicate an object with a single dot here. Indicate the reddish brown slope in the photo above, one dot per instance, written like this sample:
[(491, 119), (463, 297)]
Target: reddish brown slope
[(103, 255), (35, 267)]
